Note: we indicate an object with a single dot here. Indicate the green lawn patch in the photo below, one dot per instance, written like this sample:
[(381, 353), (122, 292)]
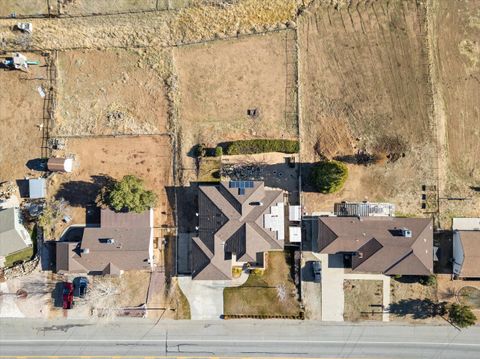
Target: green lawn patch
[(267, 293), (247, 147), (23, 255), (209, 169)]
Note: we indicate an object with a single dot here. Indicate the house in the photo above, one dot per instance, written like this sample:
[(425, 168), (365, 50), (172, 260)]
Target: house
[(37, 188), (388, 245), (13, 235), (466, 247), (124, 241), (238, 221)]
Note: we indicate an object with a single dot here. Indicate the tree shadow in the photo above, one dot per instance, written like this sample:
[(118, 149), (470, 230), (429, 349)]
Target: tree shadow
[(82, 193), (23, 188), (37, 164), (418, 308)]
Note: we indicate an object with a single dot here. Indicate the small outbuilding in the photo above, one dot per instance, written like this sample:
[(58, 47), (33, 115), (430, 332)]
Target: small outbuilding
[(466, 247), (60, 164), (37, 188)]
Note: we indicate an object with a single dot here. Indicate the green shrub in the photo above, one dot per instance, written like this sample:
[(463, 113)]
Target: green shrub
[(218, 151), (200, 150), (461, 315), (329, 177), (430, 280), (245, 147)]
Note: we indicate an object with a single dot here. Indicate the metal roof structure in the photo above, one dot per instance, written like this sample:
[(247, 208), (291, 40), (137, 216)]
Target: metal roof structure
[(37, 188)]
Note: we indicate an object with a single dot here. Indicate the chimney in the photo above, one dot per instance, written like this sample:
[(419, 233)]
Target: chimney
[(407, 233), (85, 251)]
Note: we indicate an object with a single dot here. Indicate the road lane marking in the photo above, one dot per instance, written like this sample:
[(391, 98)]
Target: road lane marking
[(229, 341)]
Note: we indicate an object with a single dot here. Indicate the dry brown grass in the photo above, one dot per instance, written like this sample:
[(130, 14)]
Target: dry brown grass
[(269, 293), (360, 295)]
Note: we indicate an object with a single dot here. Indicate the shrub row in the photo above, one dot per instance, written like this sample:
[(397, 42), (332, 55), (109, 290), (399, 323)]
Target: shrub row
[(300, 316), (247, 147)]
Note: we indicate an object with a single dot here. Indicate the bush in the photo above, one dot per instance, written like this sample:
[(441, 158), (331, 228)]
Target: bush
[(245, 147), (461, 315), (218, 151), (200, 150), (128, 195), (429, 281), (329, 177)]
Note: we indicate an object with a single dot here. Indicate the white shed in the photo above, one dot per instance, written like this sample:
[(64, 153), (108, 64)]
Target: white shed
[(37, 188), (295, 234), (295, 213)]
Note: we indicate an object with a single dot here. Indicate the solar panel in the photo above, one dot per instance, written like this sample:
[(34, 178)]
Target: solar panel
[(241, 191)]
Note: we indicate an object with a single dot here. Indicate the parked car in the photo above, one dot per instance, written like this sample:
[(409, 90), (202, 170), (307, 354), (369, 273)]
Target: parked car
[(67, 295), (317, 270), (82, 286)]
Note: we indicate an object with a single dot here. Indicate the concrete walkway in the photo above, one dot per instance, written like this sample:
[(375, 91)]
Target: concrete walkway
[(333, 299), (206, 296)]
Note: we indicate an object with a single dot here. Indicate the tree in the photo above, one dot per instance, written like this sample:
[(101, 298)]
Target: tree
[(461, 315), (128, 194), (329, 176)]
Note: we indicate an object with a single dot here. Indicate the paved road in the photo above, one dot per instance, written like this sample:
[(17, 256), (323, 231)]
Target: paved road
[(141, 337)]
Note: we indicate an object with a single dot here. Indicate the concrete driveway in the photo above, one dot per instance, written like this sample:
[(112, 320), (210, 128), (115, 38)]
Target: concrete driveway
[(206, 296)]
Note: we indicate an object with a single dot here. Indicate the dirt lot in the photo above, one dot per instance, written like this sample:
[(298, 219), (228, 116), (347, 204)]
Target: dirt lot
[(410, 301), (20, 115), (148, 157), (363, 300), (220, 81), (110, 92), (270, 293), (456, 30), (364, 77)]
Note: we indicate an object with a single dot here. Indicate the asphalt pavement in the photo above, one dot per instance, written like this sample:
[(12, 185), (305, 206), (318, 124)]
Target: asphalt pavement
[(134, 338)]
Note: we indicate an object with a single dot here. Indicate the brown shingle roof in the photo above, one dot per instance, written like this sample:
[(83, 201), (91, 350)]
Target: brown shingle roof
[(122, 242), (379, 247), (471, 251), (229, 223)]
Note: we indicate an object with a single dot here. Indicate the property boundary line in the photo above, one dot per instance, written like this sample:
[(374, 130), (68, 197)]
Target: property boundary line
[(59, 15), (114, 135)]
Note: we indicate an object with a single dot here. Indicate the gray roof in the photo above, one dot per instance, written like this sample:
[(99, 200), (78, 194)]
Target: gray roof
[(13, 236), (122, 242), (378, 243), (232, 222), (37, 188)]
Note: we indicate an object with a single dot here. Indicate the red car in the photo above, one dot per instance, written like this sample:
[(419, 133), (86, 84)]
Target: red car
[(67, 295)]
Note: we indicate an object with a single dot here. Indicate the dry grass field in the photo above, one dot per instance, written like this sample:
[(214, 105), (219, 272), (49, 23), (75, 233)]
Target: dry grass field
[(110, 92), (21, 112), (82, 7), (23, 7), (364, 76), (220, 81), (363, 300), (456, 51)]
